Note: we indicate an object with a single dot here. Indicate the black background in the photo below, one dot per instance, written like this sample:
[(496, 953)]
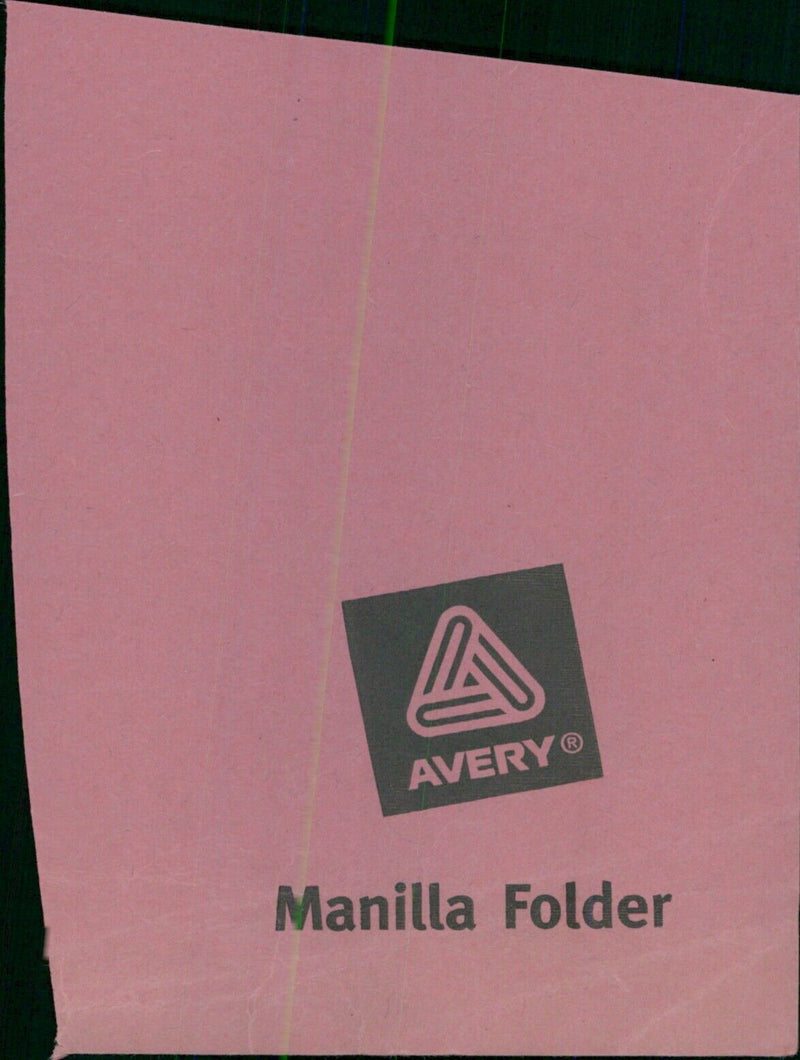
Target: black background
[(747, 43), (530, 611)]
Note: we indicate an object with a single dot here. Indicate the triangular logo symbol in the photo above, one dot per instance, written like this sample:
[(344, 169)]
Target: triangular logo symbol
[(470, 680)]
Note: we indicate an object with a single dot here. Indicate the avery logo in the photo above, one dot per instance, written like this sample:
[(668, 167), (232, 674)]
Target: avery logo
[(470, 680), (472, 689)]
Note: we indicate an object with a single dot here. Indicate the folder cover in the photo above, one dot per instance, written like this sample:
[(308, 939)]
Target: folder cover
[(403, 456)]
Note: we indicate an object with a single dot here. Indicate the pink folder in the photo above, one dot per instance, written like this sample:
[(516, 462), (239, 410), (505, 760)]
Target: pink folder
[(403, 461)]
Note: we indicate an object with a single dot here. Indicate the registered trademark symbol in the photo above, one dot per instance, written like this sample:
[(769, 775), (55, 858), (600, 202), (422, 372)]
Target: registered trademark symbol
[(571, 742)]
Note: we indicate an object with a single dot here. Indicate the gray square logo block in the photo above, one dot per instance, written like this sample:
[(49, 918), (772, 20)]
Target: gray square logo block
[(472, 689)]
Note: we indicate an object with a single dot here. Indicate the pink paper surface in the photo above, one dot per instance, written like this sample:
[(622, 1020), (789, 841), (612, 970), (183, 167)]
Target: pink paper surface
[(292, 322)]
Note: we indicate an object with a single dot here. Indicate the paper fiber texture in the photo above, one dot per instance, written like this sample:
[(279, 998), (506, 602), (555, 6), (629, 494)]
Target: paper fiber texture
[(311, 344)]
